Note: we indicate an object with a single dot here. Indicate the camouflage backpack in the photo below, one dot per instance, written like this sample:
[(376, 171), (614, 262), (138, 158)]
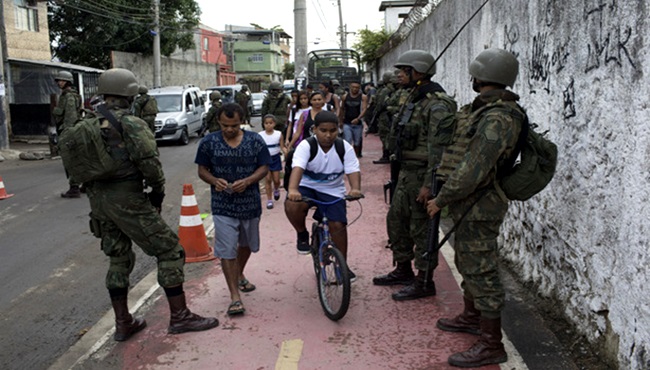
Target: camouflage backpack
[(535, 168), (85, 153)]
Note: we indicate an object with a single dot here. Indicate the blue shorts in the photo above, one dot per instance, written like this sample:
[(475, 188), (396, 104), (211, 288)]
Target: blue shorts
[(335, 212), (231, 233), (276, 163)]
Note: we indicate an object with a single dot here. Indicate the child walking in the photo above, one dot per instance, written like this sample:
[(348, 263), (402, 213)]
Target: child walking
[(275, 143)]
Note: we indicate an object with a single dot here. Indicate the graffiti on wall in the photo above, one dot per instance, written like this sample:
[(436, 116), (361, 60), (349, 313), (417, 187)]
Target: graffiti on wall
[(609, 42), (546, 59), (569, 109)]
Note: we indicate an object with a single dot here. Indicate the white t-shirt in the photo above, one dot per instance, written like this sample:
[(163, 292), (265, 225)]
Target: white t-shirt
[(325, 172), (272, 141)]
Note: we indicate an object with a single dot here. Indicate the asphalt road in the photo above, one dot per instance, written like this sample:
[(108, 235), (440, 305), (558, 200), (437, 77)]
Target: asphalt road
[(52, 268)]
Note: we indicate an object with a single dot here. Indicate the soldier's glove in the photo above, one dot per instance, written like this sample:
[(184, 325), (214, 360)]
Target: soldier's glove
[(156, 199)]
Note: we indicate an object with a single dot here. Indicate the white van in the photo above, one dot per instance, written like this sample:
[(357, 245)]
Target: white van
[(181, 112)]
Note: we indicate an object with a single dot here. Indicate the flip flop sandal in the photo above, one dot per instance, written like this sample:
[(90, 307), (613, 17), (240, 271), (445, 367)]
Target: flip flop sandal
[(236, 308), (245, 286)]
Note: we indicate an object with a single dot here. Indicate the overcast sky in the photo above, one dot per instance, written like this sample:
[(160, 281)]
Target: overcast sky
[(322, 17)]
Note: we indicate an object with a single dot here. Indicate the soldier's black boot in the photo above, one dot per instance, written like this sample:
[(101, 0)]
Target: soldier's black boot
[(384, 158), (402, 275), (183, 320), (73, 192), (422, 286), (125, 324), (467, 322), (488, 349)]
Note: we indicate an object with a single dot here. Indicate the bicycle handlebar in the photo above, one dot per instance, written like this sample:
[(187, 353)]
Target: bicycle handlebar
[(347, 197)]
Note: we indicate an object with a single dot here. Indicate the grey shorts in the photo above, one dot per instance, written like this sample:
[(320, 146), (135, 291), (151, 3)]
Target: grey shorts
[(231, 233)]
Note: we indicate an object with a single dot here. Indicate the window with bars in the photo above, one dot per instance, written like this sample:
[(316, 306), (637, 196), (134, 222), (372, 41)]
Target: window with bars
[(257, 58), (26, 15)]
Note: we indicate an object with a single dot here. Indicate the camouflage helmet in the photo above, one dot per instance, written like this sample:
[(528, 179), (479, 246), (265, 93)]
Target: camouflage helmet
[(142, 89), (385, 78), (335, 83), (64, 76), (495, 65), (419, 60), (275, 85), (244, 87), (119, 82), (215, 95)]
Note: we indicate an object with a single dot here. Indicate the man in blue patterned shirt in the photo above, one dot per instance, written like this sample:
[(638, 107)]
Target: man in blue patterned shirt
[(233, 161)]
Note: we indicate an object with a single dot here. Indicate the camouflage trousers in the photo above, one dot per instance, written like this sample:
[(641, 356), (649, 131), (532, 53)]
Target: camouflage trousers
[(476, 252), (151, 122), (121, 215), (383, 130), (407, 221)]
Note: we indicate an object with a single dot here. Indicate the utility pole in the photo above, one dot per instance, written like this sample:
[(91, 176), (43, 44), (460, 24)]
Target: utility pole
[(156, 44), (4, 132), (342, 28), (300, 46)]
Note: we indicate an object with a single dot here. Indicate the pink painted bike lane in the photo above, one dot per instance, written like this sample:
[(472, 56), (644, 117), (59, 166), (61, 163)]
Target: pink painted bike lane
[(284, 326)]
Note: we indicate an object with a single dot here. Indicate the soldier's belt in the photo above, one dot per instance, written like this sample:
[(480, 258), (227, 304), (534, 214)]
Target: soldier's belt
[(134, 186)]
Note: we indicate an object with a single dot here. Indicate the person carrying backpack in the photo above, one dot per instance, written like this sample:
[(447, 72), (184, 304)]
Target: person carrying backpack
[(318, 174), (122, 214), (486, 135)]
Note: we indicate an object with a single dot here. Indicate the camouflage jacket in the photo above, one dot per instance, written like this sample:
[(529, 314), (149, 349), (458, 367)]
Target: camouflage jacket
[(145, 105), (68, 108), (211, 116), (242, 99), (491, 131), (277, 106)]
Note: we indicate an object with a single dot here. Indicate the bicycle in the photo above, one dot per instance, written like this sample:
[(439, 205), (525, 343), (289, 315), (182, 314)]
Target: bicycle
[(330, 267)]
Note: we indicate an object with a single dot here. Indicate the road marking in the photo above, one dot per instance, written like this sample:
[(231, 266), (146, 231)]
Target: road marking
[(289, 356)]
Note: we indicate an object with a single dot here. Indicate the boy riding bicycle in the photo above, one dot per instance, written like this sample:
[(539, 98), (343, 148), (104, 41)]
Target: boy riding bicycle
[(321, 178)]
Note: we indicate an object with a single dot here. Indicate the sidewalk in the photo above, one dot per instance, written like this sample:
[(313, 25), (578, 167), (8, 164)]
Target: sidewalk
[(284, 326)]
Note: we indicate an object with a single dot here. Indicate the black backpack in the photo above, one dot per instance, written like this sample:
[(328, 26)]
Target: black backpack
[(313, 150)]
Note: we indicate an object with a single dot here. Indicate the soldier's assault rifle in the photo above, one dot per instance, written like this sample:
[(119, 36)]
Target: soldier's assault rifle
[(373, 125), (400, 119), (434, 226)]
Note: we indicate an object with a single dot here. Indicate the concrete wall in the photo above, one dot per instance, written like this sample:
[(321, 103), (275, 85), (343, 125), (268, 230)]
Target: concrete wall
[(173, 71), (583, 75), (27, 44)]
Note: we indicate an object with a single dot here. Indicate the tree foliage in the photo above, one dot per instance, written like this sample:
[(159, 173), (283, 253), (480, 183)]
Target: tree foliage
[(368, 44), (288, 71), (85, 32)]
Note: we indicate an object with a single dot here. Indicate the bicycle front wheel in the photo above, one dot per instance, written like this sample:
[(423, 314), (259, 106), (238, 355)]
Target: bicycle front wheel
[(334, 284)]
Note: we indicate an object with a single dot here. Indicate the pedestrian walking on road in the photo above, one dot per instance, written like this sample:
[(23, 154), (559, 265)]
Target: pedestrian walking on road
[(407, 221), (486, 135), (232, 161), (275, 143), (146, 107), (321, 178), (66, 113), (277, 103), (242, 98), (121, 214), (211, 116), (353, 108)]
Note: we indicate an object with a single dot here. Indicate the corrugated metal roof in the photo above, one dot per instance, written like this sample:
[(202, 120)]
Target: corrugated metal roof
[(53, 64)]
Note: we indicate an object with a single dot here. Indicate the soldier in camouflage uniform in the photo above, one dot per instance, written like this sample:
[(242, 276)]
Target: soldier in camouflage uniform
[(242, 98), (487, 131), (66, 113), (121, 214), (146, 107), (380, 113), (276, 103), (338, 89), (211, 117), (426, 106)]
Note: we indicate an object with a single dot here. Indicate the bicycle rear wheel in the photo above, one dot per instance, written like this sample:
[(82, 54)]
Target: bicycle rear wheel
[(334, 284)]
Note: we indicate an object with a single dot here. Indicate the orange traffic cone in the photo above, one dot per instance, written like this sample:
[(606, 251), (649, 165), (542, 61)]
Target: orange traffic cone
[(3, 192), (191, 232)]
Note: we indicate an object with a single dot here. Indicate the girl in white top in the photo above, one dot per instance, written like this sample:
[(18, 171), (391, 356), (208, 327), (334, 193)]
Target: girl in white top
[(275, 143)]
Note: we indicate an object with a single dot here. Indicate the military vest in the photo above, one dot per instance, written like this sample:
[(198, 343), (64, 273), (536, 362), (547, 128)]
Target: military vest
[(457, 134)]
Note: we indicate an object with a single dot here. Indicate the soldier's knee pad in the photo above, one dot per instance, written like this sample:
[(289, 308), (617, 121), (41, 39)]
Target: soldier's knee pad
[(170, 267)]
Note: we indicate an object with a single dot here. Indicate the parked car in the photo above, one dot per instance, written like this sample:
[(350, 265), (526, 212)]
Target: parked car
[(181, 112), (257, 99)]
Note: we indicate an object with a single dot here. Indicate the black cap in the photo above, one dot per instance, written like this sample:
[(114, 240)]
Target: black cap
[(326, 117)]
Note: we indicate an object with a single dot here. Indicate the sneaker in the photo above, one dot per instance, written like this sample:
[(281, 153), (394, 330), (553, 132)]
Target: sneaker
[(276, 194), (269, 204), (353, 276), (303, 243)]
